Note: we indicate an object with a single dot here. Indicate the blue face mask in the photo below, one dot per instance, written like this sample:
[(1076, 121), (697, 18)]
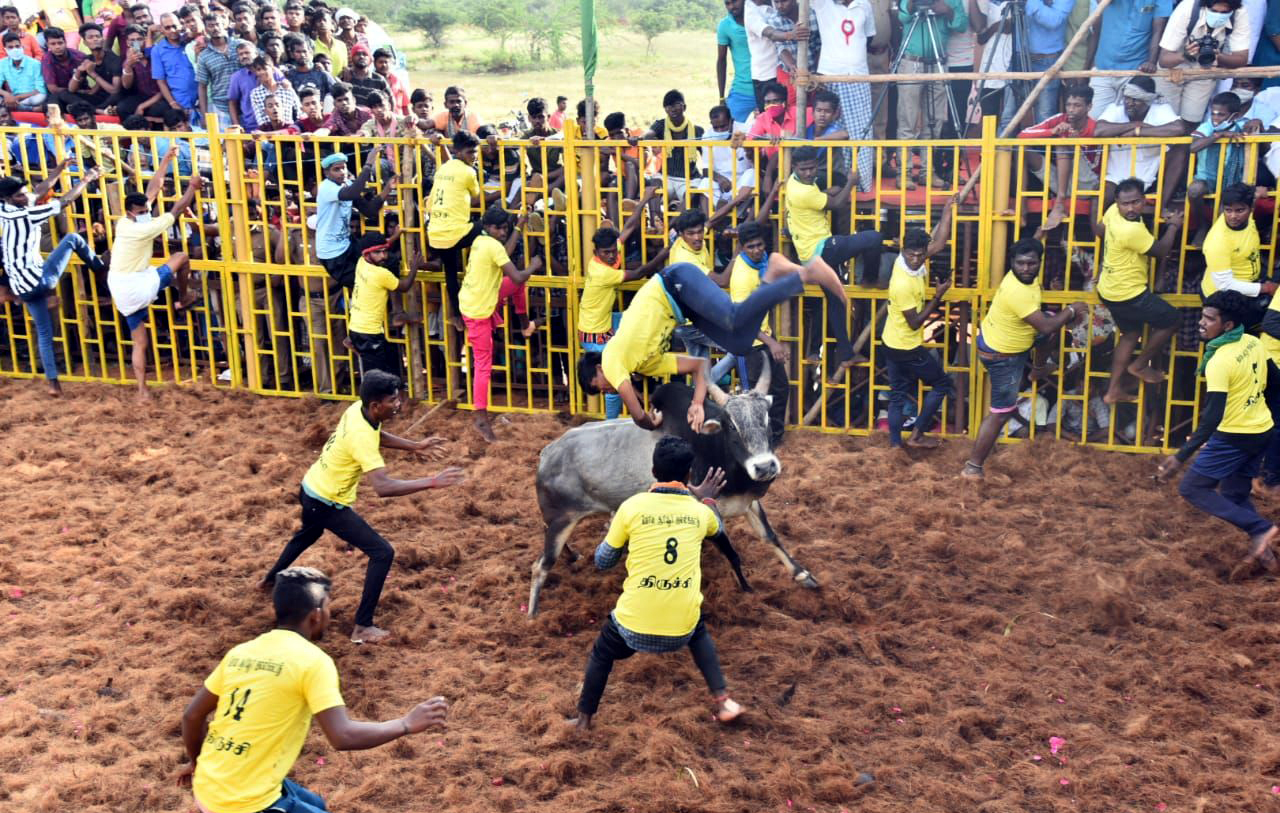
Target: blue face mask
[(1217, 19), (145, 217)]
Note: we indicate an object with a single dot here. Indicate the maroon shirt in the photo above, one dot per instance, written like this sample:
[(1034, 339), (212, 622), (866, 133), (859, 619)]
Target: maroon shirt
[(340, 126), (58, 72)]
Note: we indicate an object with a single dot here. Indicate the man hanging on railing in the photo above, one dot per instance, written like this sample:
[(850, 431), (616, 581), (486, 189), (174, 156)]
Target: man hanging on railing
[(1231, 254), (133, 282), (1123, 288), (1235, 428)]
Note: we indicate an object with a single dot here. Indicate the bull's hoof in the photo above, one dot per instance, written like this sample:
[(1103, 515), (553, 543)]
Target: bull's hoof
[(805, 579)]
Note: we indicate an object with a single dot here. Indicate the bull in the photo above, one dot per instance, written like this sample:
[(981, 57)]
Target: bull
[(593, 468)]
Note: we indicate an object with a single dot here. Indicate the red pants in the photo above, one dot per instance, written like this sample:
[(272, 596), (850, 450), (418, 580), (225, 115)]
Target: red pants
[(480, 336)]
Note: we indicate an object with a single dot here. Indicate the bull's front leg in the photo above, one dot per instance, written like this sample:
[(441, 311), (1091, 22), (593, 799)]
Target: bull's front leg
[(760, 523)]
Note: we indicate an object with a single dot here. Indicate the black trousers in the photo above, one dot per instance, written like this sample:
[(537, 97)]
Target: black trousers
[(347, 525), (376, 352), (610, 647), (451, 259)]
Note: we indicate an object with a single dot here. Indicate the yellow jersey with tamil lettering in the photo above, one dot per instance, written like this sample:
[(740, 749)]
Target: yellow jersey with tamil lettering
[(906, 293), (268, 689), (478, 298), (353, 449), (806, 214), (662, 594), (455, 184), (643, 337), (1240, 370), (595, 309)]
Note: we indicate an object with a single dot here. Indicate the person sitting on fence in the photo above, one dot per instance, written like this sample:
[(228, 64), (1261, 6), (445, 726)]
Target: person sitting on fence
[(455, 191), (1123, 287), (680, 163), (268, 689), (133, 282), (805, 214), (907, 361), (1231, 254), (1074, 122), (604, 273), (1141, 114), (1235, 429), (367, 317), (1223, 124), (32, 279), (490, 278), (641, 344), (329, 488), (1014, 324), (660, 607), (23, 82)]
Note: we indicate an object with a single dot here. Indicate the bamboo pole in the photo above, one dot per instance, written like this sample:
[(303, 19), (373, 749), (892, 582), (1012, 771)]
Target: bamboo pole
[(802, 70), (1177, 74)]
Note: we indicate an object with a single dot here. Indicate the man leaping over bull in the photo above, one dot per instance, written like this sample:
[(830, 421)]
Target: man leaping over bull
[(660, 607), (683, 292)]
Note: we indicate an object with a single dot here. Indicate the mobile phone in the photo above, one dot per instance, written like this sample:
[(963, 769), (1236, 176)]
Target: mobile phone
[(137, 47)]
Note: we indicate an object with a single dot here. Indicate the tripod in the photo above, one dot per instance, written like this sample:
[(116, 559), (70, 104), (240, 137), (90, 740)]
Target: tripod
[(934, 60), (1013, 24)]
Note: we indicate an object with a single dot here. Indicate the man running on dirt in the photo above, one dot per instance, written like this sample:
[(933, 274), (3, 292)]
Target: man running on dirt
[(329, 491), (660, 606), (263, 695)]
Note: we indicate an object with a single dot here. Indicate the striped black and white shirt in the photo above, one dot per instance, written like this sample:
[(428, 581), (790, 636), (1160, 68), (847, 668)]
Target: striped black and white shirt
[(20, 231)]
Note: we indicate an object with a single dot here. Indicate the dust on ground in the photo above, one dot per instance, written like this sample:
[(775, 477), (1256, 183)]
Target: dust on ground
[(957, 630)]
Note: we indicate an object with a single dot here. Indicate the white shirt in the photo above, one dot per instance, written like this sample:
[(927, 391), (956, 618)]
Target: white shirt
[(1256, 11), (844, 31), (997, 54), (764, 53), (1140, 162), (725, 161), (1237, 39)]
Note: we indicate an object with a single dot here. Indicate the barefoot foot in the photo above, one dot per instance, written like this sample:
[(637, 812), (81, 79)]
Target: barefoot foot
[(923, 442), (368, 635), (1113, 397), (1148, 374), (53, 388), (971, 471), (726, 709), (485, 429)]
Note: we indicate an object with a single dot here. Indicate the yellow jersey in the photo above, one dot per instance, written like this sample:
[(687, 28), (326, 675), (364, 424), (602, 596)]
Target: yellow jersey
[(744, 279), (1124, 257), (682, 253), (1240, 370), (906, 293), (644, 335), (664, 529), (806, 217), (353, 449), (595, 309), (1231, 249), (478, 298), (455, 184), (268, 689), (1005, 330), (1270, 344), (368, 312)]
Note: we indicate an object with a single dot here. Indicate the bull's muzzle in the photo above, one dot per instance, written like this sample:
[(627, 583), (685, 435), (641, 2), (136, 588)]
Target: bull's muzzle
[(763, 467)]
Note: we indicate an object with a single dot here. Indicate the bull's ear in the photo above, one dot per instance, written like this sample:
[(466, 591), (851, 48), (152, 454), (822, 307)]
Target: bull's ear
[(710, 426)]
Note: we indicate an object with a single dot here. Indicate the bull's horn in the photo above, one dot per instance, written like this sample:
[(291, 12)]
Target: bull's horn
[(718, 395), (766, 376)]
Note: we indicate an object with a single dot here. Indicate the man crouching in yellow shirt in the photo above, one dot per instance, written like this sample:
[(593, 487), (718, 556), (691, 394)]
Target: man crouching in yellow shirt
[(329, 490), (262, 696), (660, 607)]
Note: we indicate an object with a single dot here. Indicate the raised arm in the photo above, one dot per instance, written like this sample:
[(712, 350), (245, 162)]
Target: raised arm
[(352, 190), (942, 232), (156, 185), (183, 203), (41, 189)]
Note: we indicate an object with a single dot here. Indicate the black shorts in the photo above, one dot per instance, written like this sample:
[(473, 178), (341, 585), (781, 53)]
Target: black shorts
[(1144, 309), (342, 269)]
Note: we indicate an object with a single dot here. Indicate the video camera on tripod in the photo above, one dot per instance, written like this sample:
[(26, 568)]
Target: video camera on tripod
[(1208, 52)]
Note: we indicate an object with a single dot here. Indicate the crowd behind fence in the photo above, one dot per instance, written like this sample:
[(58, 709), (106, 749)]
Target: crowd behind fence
[(270, 321)]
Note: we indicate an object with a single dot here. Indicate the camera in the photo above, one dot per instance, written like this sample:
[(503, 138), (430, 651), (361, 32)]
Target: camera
[(1208, 50), (921, 6)]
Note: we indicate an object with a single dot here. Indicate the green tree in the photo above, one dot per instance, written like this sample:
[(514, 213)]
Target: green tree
[(432, 18), (651, 23), (498, 18), (549, 25)]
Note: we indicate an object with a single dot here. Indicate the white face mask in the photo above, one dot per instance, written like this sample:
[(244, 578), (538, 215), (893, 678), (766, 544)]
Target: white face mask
[(14, 53), (145, 217), (1217, 19), (1246, 96)]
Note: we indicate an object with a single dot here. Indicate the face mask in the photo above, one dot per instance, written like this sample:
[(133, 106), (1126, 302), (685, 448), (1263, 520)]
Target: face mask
[(1246, 96), (145, 217), (14, 53), (1217, 19)]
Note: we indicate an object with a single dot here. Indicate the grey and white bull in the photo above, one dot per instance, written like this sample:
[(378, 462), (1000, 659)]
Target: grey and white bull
[(593, 468)]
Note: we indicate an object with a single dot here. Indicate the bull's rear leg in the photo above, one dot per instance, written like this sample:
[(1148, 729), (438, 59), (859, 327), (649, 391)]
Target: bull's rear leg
[(557, 535), (725, 546), (760, 523)]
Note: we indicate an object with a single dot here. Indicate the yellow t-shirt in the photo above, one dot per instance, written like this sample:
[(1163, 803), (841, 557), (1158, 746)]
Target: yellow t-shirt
[(133, 247), (337, 54), (682, 253), (906, 292), (662, 594), (267, 689), (456, 183), (1236, 249), (1270, 344), (352, 450), (644, 335), (1005, 330), (1124, 257), (595, 309), (1240, 370), (806, 215), (368, 312), (742, 281), (478, 298)]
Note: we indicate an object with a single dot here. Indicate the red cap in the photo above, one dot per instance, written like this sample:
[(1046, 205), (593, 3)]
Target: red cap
[(358, 47)]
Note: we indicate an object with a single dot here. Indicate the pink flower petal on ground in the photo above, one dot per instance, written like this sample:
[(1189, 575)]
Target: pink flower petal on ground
[(321, 761), (1064, 782), (896, 710), (16, 593), (497, 781), (1062, 699), (1036, 758), (1055, 744), (901, 721), (1275, 788), (1161, 806), (524, 608)]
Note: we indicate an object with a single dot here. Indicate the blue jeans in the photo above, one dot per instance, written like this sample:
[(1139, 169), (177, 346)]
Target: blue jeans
[(1047, 102), (1006, 380), (297, 799), (906, 367), (35, 302), (612, 400), (1221, 480)]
